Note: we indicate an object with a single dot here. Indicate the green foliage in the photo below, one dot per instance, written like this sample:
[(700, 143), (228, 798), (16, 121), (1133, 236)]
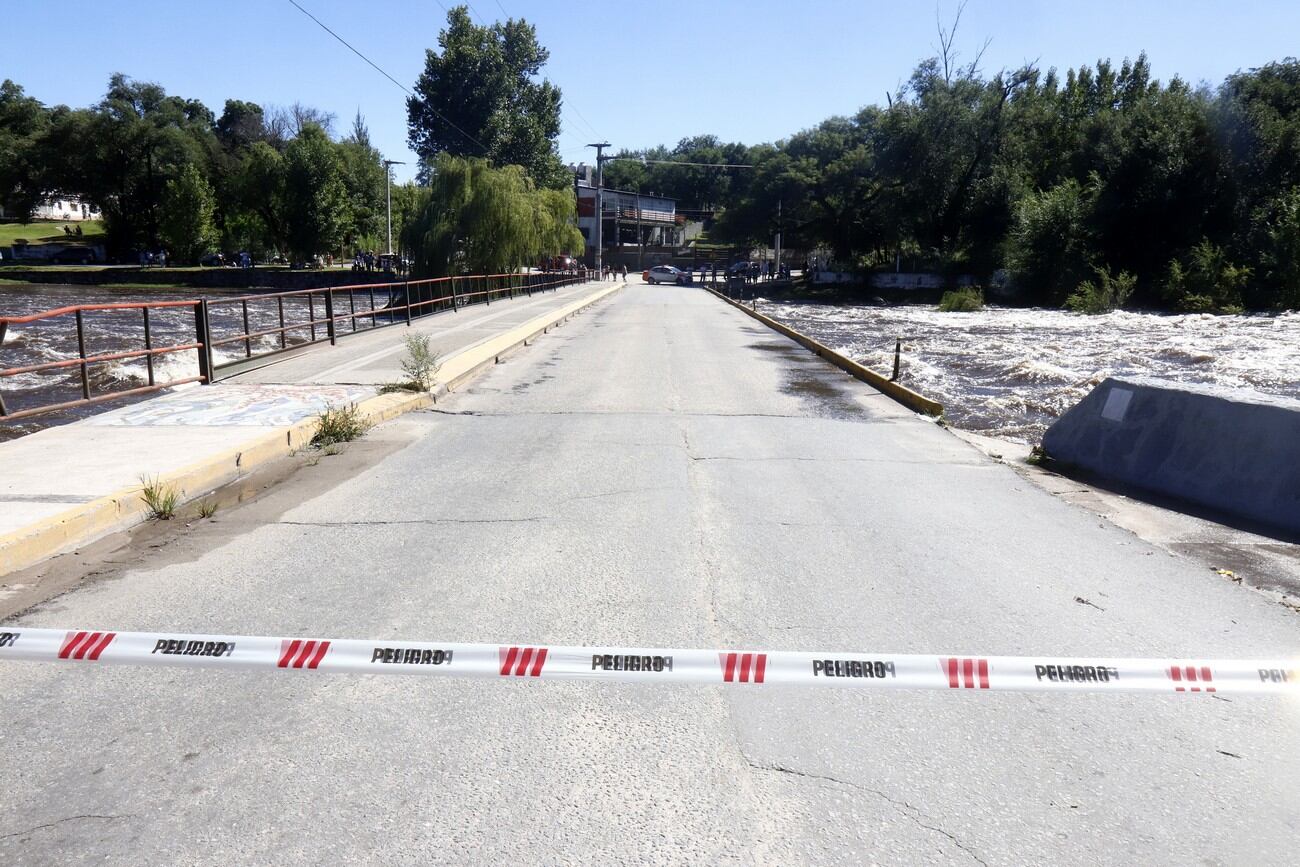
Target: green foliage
[(1109, 292), (187, 210), (474, 218), (420, 363), (161, 499), (479, 97), (1277, 232), (1050, 248), (315, 196), (339, 424), (1205, 281), (965, 300)]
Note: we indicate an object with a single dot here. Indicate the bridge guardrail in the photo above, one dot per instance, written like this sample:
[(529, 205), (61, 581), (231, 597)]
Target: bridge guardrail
[(302, 317)]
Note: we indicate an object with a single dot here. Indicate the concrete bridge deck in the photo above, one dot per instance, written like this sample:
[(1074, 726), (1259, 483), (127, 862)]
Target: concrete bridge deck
[(664, 471)]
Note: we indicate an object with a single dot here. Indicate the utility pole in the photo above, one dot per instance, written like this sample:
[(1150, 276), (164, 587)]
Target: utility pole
[(388, 194), (600, 213)]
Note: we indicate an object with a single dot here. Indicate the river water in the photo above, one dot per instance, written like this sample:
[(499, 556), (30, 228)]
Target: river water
[(1010, 373)]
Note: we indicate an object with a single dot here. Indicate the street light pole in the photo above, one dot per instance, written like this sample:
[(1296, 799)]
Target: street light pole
[(600, 213), (388, 194)]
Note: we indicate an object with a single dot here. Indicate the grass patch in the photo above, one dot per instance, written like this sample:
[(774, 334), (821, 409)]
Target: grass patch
[(966, 300), (161, 498), (44, 231), (339, 424), (207, 509)]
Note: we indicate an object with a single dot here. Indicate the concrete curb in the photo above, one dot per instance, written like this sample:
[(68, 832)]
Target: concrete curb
[(901, 393), (124, 508)]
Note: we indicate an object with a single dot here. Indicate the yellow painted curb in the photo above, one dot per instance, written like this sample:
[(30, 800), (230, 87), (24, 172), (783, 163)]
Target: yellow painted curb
[(86, 522), (901, 393)]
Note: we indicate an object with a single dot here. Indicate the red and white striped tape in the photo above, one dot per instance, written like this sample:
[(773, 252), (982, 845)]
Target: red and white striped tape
[(647, 665)]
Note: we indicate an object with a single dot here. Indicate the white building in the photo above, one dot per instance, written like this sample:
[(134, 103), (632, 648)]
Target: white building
[(59, 207)]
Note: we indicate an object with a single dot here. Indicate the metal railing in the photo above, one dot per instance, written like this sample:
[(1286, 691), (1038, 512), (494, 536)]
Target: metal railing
[(85, 361), (301, 318)]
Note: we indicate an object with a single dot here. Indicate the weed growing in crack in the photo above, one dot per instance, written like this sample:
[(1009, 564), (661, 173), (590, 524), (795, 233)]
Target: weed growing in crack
[(161, 498), (341, 424), (420, 366)]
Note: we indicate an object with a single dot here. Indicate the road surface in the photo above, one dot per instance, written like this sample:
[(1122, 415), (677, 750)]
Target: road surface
[(662, 471)]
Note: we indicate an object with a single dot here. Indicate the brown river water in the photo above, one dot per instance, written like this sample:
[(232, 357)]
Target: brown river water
[(1010, 372)]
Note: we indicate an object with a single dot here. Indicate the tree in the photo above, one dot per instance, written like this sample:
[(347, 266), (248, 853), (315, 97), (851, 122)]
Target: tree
[(23, 120), (1050, 251), (363, 176), (187, 209), (122, 153), (474, 218), (479, 97), (316, 208)]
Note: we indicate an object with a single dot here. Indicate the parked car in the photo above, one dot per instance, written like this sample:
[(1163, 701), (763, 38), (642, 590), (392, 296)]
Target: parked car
[(74, 256), (665, 274)]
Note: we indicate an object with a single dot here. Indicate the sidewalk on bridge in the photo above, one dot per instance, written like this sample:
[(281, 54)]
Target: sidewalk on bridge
[(66, 486)]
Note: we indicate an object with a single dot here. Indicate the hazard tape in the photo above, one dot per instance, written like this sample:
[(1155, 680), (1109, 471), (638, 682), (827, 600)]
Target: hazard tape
[(644, 665)]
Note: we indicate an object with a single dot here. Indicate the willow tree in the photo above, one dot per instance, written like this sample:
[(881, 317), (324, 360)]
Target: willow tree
[(476, 219)]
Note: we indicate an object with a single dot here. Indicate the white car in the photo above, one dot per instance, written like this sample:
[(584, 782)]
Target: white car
[(664, 274)]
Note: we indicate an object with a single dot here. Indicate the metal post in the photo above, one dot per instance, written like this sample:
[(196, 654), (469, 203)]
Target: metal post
[(248, 341), (202, 336), (406, 291), (148, 344), (372, 306), (311, 314), (329, 316), (4, 326), (284, 335), (81, 349), (352, 308), (898, 357), (455, 306)]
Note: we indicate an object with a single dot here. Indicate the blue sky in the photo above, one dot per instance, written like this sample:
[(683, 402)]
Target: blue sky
[(634, 73)]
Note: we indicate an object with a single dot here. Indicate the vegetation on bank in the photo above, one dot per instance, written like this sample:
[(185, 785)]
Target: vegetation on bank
[(965, 300), (1047, 175)]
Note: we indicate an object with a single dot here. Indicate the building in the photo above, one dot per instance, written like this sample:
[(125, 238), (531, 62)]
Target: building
[(638, 228), (58, 206)]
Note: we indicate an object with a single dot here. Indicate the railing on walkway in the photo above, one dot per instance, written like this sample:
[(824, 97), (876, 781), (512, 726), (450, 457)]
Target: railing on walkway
[(228, 326), (85, 361)]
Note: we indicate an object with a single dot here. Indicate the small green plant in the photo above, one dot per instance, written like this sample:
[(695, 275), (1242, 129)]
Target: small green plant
[(1109, 292), (1206, 281), (421, 363), (332, 449), (208, 508), (161, 498), (339, 424), (965, 300)]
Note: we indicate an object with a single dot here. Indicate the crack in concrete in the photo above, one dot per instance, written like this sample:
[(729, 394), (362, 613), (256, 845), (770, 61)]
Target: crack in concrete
[(903, 807), (33, 830), (416, 521)]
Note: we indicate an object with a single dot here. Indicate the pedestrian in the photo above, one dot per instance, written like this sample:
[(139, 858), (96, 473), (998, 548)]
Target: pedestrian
[(624, 272)]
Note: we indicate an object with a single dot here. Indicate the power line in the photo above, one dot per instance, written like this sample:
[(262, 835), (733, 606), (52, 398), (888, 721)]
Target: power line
[(403, 87), (350, 48)]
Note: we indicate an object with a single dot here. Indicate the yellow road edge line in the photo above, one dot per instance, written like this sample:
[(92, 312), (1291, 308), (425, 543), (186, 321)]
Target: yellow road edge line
[(901, 393), (86, 522)]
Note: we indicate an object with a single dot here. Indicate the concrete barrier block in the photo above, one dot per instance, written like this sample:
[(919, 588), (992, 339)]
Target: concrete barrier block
[(1229, 451)]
